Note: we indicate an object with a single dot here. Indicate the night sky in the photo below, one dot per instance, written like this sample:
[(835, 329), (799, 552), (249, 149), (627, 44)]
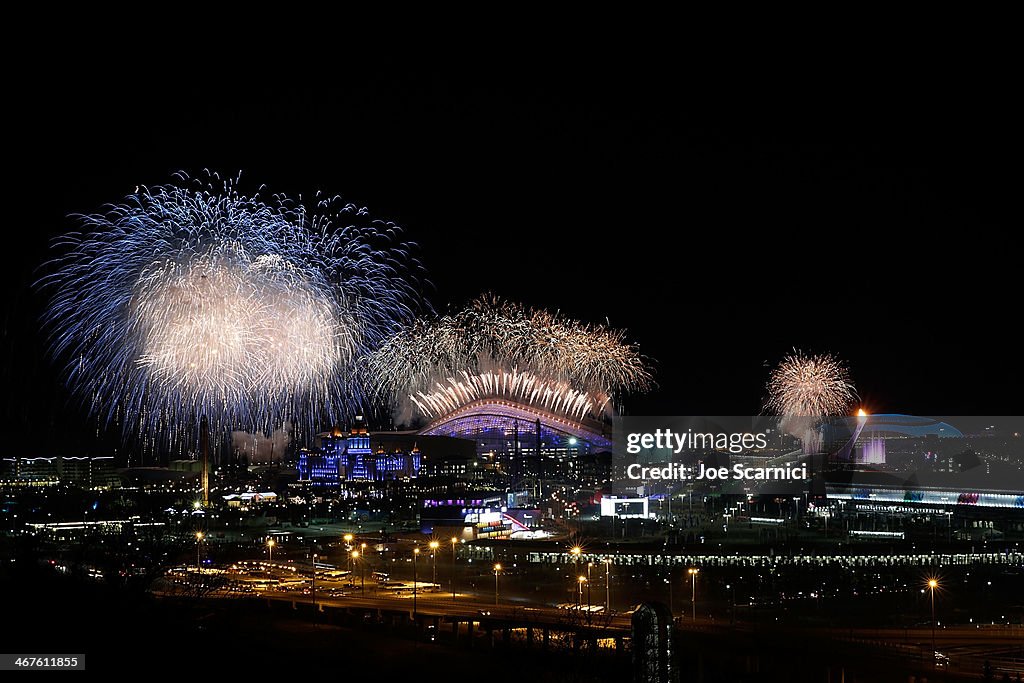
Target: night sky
[(720, 228)]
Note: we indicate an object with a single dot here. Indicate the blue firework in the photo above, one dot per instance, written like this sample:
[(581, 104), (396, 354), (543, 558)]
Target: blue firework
[(193, 300)]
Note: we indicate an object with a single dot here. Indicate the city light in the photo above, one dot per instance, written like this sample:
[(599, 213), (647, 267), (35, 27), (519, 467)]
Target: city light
[(216, 361)]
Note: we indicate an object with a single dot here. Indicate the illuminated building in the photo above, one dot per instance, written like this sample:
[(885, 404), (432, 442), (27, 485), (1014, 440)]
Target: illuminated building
[(249, 499), (872, 451), (625, 508), (396, 465), (490, 515), (85, 471), (356, 451), (319, 468), (350, 457), (513, 435)]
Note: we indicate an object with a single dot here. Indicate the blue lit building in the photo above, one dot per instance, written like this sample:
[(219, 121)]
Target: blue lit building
[(328, 464), (384, 466), (357, 453), (319, 468), (349, 457)]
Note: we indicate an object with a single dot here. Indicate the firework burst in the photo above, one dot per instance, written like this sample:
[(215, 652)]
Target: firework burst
[(803, 385), (494, 348), (193, 300)]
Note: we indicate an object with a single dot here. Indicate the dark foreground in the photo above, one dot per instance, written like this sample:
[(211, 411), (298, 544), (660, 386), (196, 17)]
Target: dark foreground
[(121, 629)]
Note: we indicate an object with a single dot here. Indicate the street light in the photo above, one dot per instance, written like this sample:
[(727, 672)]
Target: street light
[(348, 538), (362, 578), (590, 566), (270, 548), (732, 614), (692, 571), (497, 568), (454, 541), (608, 586), (415, 580), (434, 545), (576, 551), (313, 588), (362, 554), (579, 598), (199, 540), (932, 585)]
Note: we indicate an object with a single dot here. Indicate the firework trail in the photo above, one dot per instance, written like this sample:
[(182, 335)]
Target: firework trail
[(497, 349), (804, 385), (193, 300)]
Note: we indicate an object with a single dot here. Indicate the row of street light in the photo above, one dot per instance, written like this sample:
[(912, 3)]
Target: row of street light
[(576, 551), (434, 546)]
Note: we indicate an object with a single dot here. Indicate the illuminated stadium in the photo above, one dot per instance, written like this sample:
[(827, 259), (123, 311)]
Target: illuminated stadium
[(907, 461), (503, 426)]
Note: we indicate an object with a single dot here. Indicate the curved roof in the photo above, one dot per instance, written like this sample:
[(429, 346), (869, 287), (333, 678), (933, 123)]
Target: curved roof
[(906, 425), (502, 414)]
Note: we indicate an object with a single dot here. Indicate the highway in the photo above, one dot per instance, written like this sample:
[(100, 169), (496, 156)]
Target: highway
[(967, 647), (477, 608)]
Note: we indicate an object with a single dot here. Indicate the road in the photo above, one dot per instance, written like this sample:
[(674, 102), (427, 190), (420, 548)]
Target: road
[(968, 647)]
